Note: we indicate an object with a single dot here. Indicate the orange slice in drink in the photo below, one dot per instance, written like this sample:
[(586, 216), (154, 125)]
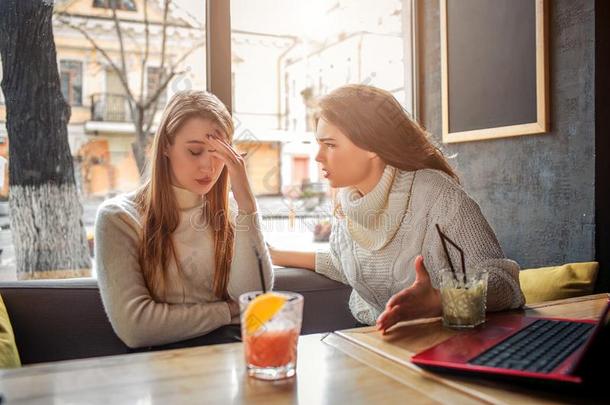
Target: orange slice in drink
[(262, 309)]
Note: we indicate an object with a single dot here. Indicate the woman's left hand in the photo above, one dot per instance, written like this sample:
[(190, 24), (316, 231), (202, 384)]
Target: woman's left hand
[(236, 166), (420, 300)]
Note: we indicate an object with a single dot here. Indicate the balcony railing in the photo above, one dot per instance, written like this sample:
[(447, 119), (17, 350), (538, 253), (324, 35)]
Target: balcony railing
[(110, 107)]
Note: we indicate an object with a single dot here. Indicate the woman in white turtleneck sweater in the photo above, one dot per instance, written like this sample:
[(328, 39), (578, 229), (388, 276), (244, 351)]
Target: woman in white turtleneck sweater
[(173, 257), (395, 186)]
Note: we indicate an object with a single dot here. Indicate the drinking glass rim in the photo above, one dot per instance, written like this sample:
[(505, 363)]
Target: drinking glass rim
[(293, 297)]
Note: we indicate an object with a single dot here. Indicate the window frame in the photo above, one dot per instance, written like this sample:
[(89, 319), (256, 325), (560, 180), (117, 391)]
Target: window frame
[(219, 63), (120, 4), (82, 64), (218, 51), (162, 97)]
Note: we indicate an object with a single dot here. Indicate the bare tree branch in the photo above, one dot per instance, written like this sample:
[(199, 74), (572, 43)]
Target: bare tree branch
[(164, 33), (98, 48), (172, 72), (146, 49), (152, 100), (125, 83), (166, 5), (155, 98), (151, 117), (144, 108)]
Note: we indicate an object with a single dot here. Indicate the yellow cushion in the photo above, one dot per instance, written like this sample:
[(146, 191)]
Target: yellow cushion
[(9, 356), (558, 282)]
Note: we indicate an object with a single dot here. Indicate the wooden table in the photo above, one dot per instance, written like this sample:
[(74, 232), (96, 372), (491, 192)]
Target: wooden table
[(353, 366), (408, 338)]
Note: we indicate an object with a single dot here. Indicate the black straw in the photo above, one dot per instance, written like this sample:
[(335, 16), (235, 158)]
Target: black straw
[(260, 270), (444, 239)]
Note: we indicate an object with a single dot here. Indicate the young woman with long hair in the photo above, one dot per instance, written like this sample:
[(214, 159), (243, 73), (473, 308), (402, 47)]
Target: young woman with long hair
[(395, 187), (173, 256)]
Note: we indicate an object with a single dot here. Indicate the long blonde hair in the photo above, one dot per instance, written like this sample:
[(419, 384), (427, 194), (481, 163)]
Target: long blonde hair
[(158, 206), (375, 121)]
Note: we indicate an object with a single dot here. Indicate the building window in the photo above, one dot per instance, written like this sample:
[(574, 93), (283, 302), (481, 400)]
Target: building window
[(71, 74), (128, 5), (153, 82), (300, 170)]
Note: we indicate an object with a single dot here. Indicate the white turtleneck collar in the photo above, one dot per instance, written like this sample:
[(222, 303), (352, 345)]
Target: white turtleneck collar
[(186, 199), (373, 219)]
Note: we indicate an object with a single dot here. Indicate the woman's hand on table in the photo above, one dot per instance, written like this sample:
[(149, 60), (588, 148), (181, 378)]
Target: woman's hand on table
[(420, 300)]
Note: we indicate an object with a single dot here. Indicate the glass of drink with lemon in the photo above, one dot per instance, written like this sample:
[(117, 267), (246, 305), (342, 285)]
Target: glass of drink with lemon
[(270, 328)]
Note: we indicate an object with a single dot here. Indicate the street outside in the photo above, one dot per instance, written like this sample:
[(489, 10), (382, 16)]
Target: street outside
[(276, 227)]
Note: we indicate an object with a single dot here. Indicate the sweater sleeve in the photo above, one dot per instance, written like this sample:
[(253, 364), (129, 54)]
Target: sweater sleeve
[(328, 262), (361, 310), (463, 222), (136, 317), (244, 275), (325, 266)]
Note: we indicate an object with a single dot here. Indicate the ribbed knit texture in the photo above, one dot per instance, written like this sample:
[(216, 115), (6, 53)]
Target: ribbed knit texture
[(373, 245), (189, 308)]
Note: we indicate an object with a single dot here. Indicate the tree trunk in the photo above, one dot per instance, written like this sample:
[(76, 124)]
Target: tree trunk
[(138, 147), (139, 155), (45, 211)]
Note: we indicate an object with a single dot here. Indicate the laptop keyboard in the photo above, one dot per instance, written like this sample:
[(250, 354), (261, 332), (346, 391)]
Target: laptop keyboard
[(539, 347)]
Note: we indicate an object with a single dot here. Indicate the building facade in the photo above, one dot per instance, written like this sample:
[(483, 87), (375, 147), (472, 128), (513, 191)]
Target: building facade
[(276, 80)]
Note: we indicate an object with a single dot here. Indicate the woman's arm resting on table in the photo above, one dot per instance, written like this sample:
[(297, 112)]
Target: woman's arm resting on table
[(287, 258), (321, 262)]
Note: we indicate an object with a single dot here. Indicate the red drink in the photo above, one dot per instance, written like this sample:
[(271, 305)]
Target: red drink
[(272, 349), (270, 332)]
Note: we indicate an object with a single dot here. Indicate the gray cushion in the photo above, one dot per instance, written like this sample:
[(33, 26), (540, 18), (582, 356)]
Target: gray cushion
[(325, 301), (64, 319), (59, 319)]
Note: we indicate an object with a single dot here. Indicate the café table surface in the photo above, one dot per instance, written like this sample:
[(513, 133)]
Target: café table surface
[(351, 366)]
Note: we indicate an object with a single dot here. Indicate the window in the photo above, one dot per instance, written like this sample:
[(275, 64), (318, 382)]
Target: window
[(298, 51), (300, 169), (99, 137), (153, 81), (285, 54), (128, 5), (71, 76)]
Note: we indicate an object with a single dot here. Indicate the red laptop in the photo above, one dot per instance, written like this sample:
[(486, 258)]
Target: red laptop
[(512, 345), (517, 346)]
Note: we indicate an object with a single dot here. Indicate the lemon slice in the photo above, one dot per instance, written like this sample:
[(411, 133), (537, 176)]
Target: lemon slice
[(262, 309)]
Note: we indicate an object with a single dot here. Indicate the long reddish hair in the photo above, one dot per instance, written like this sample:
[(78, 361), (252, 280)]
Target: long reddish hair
[(159, 208), (375, 121)]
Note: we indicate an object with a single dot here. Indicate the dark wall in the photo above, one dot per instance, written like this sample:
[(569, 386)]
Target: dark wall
[(537, 191), (602, 142)]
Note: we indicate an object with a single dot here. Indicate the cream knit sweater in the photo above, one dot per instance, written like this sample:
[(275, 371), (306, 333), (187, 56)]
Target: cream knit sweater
[(375, 239), (190, 307)]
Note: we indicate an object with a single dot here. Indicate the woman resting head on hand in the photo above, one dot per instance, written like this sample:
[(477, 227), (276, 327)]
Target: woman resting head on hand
[(174, 256)]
